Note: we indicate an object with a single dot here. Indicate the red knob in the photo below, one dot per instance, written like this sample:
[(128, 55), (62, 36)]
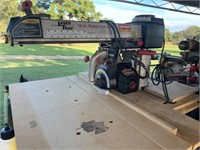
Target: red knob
[(140, 43), (133, 85), (86, 59), (25, 5)]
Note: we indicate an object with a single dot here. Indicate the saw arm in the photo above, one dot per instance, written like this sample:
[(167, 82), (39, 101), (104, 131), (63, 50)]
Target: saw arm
[(42, 30)]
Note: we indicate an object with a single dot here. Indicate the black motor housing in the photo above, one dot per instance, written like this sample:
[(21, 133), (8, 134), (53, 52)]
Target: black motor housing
[(152, 30), (127, 78)]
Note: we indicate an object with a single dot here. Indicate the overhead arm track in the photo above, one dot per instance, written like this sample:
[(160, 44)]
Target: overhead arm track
[(188, 7)]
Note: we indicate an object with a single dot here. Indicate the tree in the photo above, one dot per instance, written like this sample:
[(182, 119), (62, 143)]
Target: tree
[(81, 10), (189, 32), (168, 35), (45, 4), (8, 9), (36, 8)]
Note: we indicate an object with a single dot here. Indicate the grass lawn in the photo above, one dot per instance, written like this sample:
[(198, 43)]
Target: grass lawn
[(170, 48), (35, 70), (53, 49), (10, 70), (64, 49)]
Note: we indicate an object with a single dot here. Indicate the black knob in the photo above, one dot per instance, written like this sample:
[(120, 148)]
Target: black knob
[(7, 132)]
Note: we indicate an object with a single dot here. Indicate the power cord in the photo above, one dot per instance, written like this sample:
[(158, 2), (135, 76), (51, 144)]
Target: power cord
[(158, 76), (124, 50)]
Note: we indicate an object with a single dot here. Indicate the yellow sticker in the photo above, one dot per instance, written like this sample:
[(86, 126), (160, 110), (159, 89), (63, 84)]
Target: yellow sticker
[(31, 21)]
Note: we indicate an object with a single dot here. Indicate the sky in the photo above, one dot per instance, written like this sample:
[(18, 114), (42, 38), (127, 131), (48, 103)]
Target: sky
[(122, 12)]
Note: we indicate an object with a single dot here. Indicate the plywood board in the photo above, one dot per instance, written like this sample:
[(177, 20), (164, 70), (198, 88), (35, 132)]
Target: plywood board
[(188, 103), (49, 114), (176, 90), (146, 114), (188, 128)]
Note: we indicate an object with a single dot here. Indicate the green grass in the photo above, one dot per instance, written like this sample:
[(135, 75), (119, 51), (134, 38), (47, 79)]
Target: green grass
[(170, 48), (35, 70), (41, 69), (53, 49), (64, 49), (10, 70)]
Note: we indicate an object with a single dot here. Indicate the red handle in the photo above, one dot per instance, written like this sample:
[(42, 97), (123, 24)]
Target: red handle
[(146, 52)]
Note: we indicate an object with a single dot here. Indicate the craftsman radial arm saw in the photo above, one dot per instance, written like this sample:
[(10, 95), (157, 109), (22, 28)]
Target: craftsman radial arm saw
[(122, 60)]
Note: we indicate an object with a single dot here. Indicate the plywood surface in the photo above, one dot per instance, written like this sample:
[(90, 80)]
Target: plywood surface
[(188, 128), (49, 114), (176, 90)]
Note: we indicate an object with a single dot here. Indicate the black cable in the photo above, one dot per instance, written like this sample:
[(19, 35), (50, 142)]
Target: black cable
[(125, 51), (164, 86), (111, 24), (158, 76), (120, 39), (138, 62)]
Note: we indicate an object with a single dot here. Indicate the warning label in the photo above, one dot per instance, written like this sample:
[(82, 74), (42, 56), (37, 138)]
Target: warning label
[(124, 27)]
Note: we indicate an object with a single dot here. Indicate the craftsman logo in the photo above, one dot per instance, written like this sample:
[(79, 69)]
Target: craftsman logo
[(124, 27), (64, 23)]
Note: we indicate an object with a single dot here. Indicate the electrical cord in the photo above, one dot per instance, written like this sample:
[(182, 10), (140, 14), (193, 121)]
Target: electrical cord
[(139, 63), (124, 50), (115, 31), (158, 76), (133, 57)]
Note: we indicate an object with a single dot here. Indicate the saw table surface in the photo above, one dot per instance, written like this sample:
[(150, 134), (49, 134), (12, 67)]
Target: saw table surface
[(69, 113)]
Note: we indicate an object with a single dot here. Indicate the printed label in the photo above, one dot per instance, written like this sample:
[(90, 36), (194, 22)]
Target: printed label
[(124, 27), (28, 28)]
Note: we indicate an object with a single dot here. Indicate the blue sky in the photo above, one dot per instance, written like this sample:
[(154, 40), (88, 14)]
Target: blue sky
[(122, 12)]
